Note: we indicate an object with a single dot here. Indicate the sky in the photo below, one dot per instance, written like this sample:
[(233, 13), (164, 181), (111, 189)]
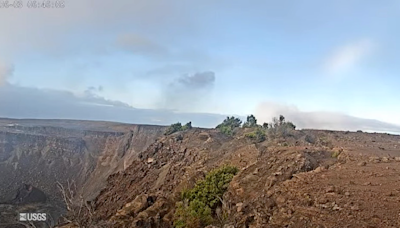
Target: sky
[(331, 64)]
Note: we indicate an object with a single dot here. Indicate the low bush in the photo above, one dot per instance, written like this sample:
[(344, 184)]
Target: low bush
[(228, 126), (197, 207), (258, 135), (177, 127), (280, 127), (187, 126)]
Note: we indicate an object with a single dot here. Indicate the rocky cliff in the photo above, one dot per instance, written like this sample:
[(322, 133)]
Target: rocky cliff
[(306, 179), (42, 153)]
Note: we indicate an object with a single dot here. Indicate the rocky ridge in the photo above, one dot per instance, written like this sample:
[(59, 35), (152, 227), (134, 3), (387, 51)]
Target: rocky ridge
[(309, 179)]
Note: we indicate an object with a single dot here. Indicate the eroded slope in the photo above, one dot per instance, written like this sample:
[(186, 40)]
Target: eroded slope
[(310, 179), (42, 153)]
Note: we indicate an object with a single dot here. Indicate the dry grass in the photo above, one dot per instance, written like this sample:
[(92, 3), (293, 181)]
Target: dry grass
[(80, 213)]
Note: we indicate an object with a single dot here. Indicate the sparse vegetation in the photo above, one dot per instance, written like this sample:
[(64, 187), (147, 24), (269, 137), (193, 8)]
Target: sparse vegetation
[(278, 128), (281, 127), (197, 207), (228, 126), (177, 127), (79, 212), (258, 135)]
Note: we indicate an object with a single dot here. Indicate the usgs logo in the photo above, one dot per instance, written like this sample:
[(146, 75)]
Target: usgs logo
[(32, 217)]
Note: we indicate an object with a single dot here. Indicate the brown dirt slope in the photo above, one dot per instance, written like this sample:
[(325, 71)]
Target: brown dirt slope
[(309, 179)]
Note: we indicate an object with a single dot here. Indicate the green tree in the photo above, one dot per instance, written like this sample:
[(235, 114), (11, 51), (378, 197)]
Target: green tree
[(187, 126), (250, 122), (281, 120), (231, 121), (177, 127), (229, 124), (280, 126)]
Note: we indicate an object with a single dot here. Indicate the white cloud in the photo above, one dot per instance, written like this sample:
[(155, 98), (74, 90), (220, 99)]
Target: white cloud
[(321, 120), (26, 102), (347, 57), (6, 71), (53, 30)]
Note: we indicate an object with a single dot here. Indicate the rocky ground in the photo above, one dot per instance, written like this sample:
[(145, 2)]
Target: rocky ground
[(308, 179)]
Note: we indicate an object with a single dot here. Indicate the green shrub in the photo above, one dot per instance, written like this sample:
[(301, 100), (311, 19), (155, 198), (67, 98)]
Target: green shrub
[(177, 127), (187, 126), (258, 135), (199, 203), (184, 217), (226, 130), (228, 125), (173, 128)]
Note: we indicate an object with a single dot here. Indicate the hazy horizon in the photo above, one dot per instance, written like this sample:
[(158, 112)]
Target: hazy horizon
[(243, 118)]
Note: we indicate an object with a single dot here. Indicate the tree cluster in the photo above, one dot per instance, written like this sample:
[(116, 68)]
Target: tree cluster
[(278, 127), (177, 127), (229, 125)]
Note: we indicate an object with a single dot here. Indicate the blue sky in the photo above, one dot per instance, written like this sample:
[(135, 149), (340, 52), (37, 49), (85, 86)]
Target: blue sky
[(222, 57)]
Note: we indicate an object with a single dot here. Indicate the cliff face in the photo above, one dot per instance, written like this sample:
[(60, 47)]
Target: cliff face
[(43, 153), (118, 154), (145, 194), (307, 179)]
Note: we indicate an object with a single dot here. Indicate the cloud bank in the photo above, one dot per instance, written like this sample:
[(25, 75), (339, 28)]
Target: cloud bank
[(25, 102), (321, 120)]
